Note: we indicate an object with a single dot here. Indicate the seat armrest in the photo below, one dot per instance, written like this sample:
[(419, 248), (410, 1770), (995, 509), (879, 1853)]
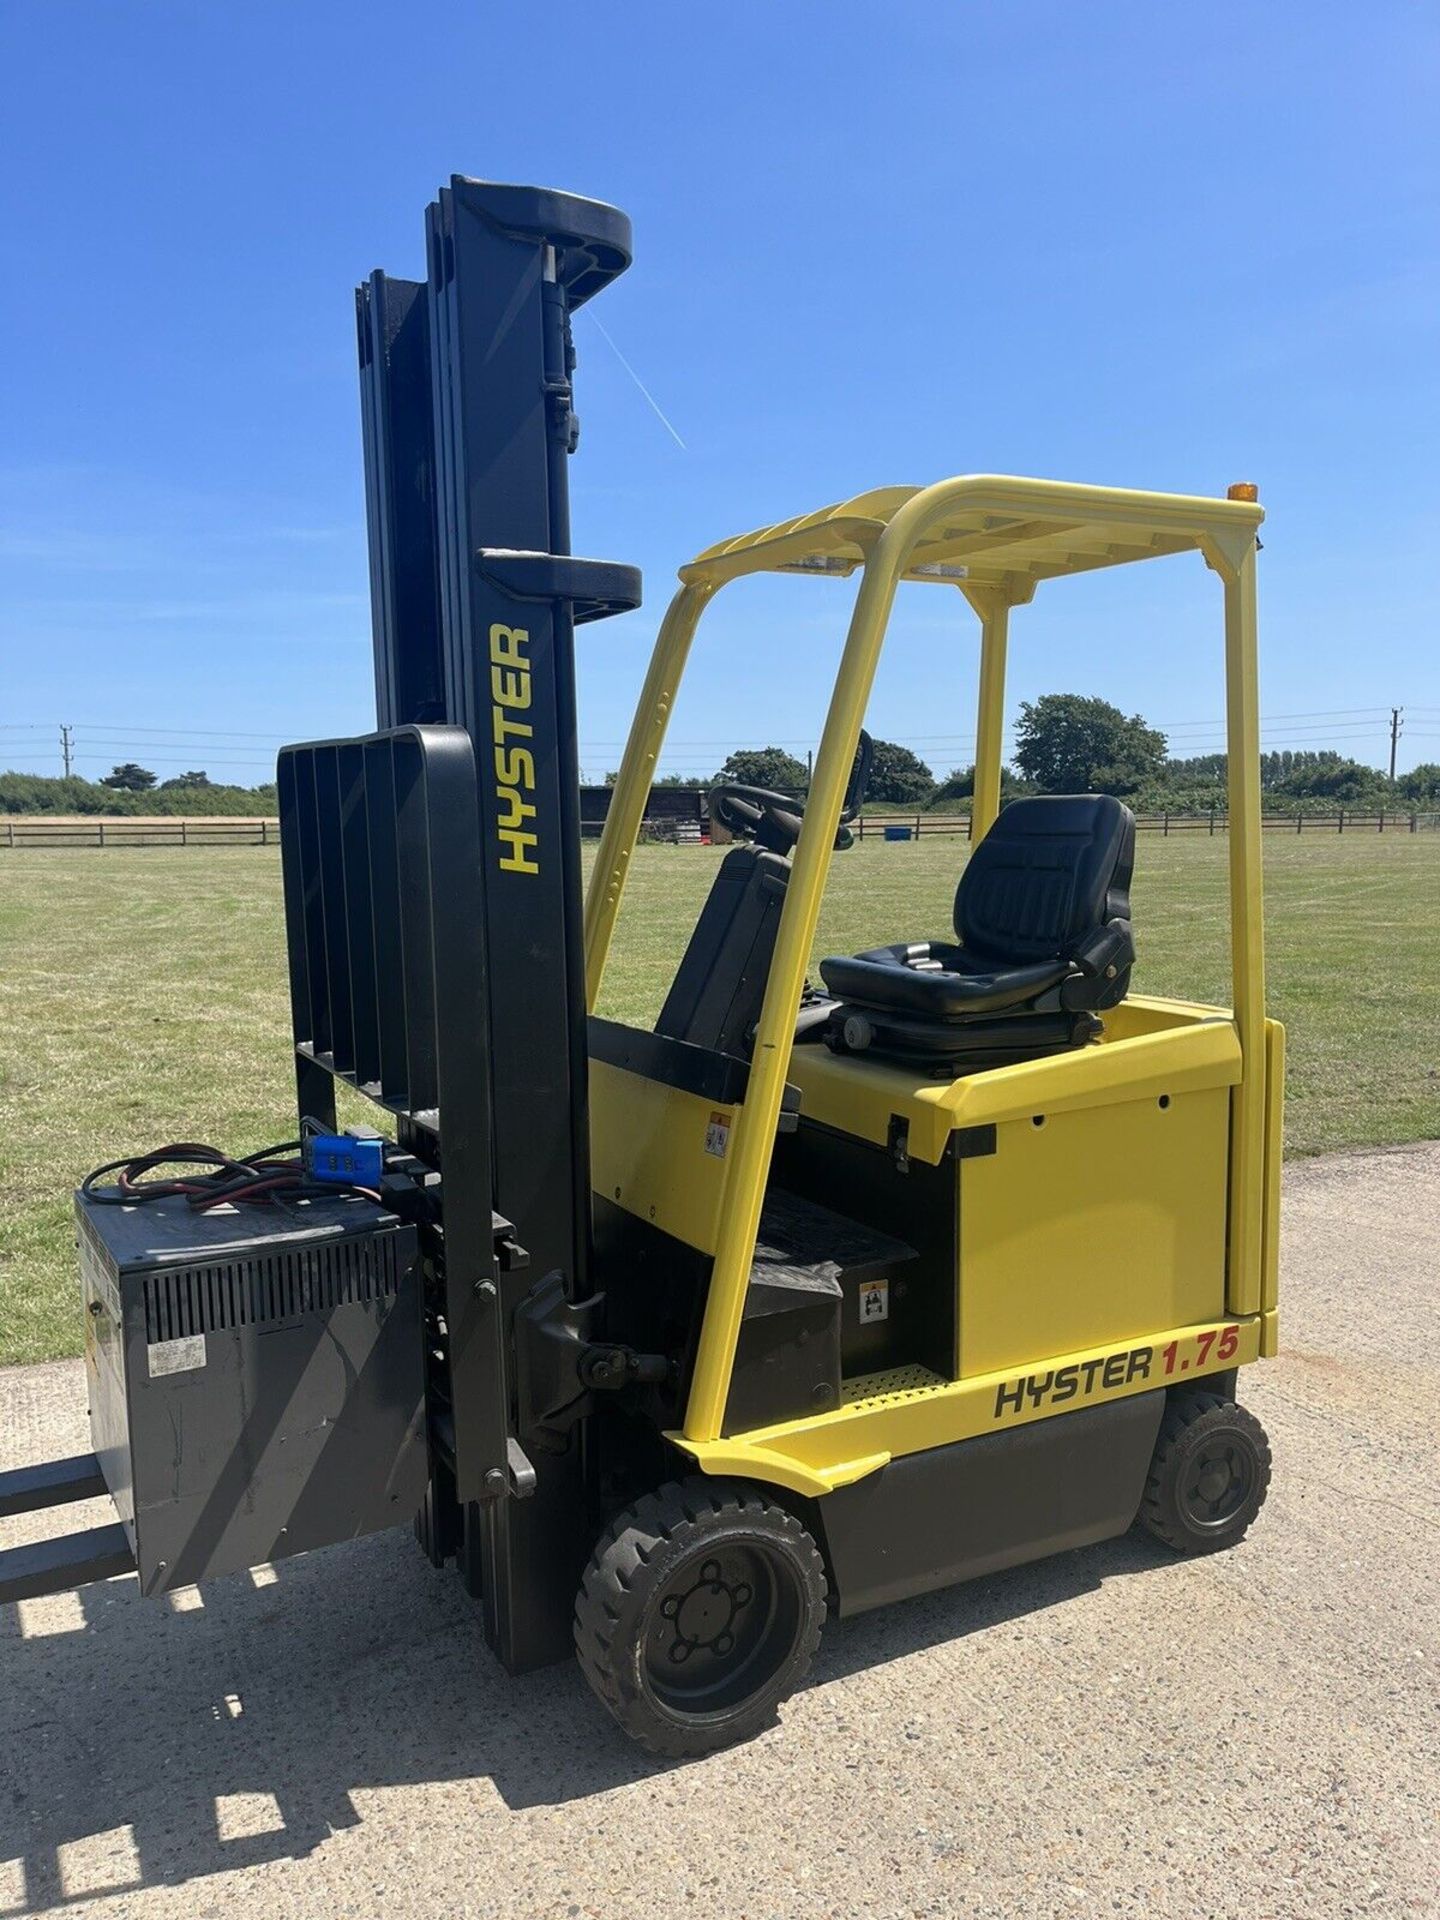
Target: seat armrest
[(1105, 952)]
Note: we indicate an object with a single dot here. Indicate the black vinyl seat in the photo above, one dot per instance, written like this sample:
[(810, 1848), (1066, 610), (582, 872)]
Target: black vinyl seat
[(1043, 944)]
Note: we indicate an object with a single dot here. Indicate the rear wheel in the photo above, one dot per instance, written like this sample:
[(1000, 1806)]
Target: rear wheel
[(1209, 1475), (699, 1613)]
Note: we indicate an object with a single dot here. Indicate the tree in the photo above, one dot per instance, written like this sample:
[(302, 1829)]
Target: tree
[(129, 778), (193, 779), (768, 767), (1204, 769), (898, 775), (1067, 743), (1421, 783), (1327, 776), (959, 784)]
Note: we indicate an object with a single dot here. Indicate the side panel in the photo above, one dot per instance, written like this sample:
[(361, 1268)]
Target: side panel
[(1151, 1047), (1274, 1156), (105, 1384), (959, 1511), (1091, 1227), (818, 1455), (291, 1437), (660, 1153)]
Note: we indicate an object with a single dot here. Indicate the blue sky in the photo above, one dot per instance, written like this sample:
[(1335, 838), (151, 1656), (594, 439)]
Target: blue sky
[(1130, 243)]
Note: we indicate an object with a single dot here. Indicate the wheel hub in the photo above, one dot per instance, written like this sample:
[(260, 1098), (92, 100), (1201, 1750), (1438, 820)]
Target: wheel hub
[(704, 1615), (1219, 1481), (724, 1622)]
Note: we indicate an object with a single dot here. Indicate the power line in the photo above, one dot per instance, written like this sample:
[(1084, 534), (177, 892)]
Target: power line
[(105, 730), (1317, 713), (160, 760), (200, 737)]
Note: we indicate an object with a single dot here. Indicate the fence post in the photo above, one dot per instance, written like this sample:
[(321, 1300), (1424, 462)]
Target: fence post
[(917, 829), (265, 828), (1341, 827), (10, 829), (1212, 819), (184, 835), (1381, 827), (1412, 823), (101, 825)]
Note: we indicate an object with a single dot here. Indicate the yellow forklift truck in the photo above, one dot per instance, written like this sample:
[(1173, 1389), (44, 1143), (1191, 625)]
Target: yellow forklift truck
[(811, 1297)]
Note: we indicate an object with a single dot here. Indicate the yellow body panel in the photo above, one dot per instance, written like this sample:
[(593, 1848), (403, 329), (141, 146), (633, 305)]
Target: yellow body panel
[(1158, 1047), (653, 1152), (831, 1450), (1091, 1227), (1274, 1153)]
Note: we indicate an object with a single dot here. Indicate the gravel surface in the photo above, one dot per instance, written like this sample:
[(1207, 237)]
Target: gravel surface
[(1111, 1732)]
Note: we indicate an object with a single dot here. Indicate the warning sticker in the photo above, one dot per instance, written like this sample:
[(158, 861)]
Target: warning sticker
[(717, 1135), (176, 1356), (875, 1301)]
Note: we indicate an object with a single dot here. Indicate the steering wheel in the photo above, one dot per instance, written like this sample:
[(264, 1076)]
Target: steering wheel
[(773, 819), (770, 819)]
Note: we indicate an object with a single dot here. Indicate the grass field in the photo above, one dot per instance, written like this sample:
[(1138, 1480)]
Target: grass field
[(143, 999)]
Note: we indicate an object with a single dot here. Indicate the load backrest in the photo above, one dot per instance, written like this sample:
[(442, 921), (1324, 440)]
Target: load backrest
[(1049, 871)]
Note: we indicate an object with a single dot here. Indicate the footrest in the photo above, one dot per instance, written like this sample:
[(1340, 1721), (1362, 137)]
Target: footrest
[(55, 1566)]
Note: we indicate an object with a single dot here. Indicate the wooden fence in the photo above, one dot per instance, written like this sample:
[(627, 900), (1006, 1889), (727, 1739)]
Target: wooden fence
[(224, 830), (924, 826), (137, 830)]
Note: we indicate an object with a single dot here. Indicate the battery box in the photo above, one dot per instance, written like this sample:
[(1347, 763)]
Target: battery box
[(256, 1377), (817, 1312)]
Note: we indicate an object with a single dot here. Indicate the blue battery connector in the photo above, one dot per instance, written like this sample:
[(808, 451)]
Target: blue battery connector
[(345, 1159)]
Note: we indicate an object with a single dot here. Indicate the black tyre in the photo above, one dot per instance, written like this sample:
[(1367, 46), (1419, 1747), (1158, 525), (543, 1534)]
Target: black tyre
[(1209, 1476), (699, 1612)]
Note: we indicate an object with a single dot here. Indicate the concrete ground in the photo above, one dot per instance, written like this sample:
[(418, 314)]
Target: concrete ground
[(1111, 1732)]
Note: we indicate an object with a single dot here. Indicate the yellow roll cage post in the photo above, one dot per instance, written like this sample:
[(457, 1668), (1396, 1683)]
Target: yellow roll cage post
[(995, 538)]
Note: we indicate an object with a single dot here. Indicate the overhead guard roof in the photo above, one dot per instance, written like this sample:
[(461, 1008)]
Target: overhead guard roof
[(992, 529)]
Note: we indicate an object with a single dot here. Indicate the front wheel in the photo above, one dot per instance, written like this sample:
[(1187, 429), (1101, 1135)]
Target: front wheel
[(700, 1611), (1209, 1476)]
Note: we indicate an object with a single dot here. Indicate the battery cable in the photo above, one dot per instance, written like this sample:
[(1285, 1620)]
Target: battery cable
[(259, 1178)]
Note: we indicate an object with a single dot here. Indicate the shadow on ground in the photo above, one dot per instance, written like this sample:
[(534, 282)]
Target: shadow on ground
[(356, 1669)]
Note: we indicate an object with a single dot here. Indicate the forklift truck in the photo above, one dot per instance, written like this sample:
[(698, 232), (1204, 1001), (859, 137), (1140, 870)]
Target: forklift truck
[(811, 1298)]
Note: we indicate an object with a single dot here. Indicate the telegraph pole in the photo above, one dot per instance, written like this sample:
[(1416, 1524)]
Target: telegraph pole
[(1395, 729), (66, 746)]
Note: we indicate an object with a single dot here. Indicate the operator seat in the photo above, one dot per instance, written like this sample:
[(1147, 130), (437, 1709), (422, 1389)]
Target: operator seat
[(1042, 945)]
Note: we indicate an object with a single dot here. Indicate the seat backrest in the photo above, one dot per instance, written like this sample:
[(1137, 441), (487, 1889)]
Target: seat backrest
[(718, 989), (1050, 870)]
